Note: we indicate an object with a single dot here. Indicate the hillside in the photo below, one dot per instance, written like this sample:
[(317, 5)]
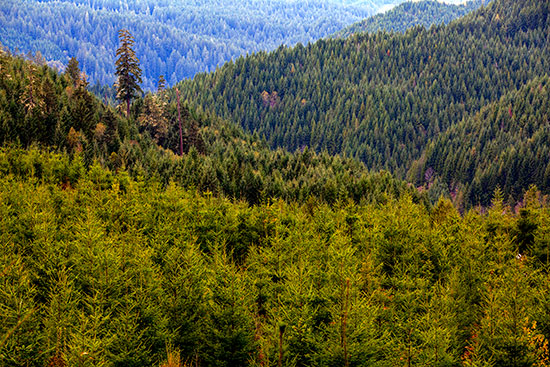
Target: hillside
[(176, 39), (39, 107), (382, 98), (409, 14), (504, 145), (136, 238), (114, 271)]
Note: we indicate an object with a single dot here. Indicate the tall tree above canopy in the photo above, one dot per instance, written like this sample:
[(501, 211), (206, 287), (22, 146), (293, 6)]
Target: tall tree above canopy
[(127, 69), (73, 71)]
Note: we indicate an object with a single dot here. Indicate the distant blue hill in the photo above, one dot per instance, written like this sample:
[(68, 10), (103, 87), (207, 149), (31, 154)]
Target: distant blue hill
[(176, 39), (410, 14)]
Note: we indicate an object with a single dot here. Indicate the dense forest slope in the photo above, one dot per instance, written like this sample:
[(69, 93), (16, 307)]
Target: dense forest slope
[(38, 106), (410, 14), (175, 38), (117, 250), (382, 97), (506, 144), (115, 272)]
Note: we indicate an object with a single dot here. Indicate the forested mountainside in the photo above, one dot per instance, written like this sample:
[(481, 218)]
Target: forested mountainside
[(176, 38), (410, 14), (124, 243), (39, 107), (116, 272), (506, 144), (382, 98)]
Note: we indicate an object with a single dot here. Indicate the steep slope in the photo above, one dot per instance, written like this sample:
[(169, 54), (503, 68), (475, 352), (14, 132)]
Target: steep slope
[(175, 38), (381, 97), (410, 14), (506, 144), (40, 107)]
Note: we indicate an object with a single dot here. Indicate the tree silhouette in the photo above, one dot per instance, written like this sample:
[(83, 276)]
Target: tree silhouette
[(127, 69)]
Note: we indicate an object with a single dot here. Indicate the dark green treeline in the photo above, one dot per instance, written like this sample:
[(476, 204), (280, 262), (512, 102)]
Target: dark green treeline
[(383, 98)]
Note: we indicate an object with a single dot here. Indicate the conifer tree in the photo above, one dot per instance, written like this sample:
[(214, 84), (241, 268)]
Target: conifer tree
[(161, 84), (127, 69), (153, 118), (73, 71)]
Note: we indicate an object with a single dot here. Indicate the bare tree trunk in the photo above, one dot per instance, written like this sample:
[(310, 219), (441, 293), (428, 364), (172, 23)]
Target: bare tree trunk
[(128, 107), (179, 121), (345, 324), (281, 331)]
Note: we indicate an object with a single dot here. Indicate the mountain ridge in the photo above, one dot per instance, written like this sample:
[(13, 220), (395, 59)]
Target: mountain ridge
[(151, 237), (412, 13), (176, 39), (40, 108), (383, 96)]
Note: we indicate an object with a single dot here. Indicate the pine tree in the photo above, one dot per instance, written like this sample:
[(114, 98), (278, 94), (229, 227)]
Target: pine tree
[(73, 71), (161, 84), (153, 118), (127, 69)]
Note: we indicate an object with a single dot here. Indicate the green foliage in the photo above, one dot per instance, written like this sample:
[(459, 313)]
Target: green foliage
[(410, 14), (128, 71), (219, 158), (40, 106), (506, 146), (73, 71), (114, 251), (384, 98), (113, 271)]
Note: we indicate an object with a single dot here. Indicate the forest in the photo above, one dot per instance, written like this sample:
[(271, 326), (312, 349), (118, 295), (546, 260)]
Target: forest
[(41, 108), (177, 39), (383, 97), (410, 14), (507, 144), (115, 271), (126, 240)]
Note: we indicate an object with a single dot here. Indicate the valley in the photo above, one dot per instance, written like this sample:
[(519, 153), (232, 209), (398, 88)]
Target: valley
[(380, 198)]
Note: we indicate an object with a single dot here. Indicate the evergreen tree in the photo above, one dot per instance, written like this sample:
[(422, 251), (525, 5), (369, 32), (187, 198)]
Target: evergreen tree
[(161, 84), (73, 71), (127, 70), (153, 118)]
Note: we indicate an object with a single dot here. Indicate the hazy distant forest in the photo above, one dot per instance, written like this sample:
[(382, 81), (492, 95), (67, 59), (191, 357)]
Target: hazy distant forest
[(410, 14), (376, 200), (177, 39)]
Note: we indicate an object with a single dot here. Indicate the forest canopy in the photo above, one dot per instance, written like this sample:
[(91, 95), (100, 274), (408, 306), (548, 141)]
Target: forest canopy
[(39, 107), (383, 97), (410, 14), (220, 229), (177, 39), (115, 271)]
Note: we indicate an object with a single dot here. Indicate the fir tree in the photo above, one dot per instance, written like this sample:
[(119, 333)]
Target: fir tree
[(127, 69), (161, 84), (73, 71)]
